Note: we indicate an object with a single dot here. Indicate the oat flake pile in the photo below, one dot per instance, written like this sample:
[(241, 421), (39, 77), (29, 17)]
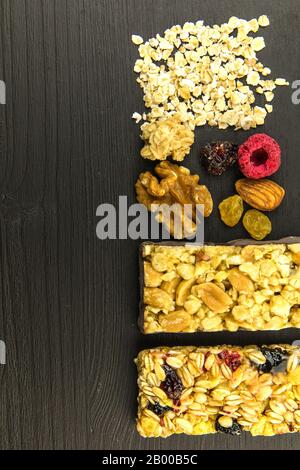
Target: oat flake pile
[(206, 75)]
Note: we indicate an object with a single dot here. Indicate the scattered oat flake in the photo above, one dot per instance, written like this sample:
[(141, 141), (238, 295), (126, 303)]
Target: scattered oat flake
[(137, 117), (263, 20), (137, 39), (281, 82)]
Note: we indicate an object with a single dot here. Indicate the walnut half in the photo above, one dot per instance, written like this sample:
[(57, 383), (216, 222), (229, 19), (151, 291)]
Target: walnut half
[(176, 186)]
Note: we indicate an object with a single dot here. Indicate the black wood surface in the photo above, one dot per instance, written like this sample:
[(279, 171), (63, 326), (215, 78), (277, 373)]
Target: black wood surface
[(69, 301)]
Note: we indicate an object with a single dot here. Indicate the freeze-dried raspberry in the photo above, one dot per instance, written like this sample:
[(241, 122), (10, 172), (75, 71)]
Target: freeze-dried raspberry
[(259, 156)]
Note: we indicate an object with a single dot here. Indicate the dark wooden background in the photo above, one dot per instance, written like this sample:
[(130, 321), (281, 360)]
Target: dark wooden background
[(68, 301)]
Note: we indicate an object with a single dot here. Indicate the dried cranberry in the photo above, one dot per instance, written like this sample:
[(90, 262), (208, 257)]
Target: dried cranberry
[(158, 409), (231, 358), (172, 384), (218, 156)]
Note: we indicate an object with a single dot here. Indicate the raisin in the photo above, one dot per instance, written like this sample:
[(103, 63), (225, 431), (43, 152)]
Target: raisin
[(274, 357), (218, 156), (234, 430), (257, 224), (158, 409), (172, 384), (231, 358), (231, 210)]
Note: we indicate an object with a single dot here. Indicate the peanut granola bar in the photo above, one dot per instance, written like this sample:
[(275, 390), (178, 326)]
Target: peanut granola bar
[(188, 288), (227, 389)]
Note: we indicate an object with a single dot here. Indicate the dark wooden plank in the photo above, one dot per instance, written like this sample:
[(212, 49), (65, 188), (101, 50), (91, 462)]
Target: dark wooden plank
[(69, 301)]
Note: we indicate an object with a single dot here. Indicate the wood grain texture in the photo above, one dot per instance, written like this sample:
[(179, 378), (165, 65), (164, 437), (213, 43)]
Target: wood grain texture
[(69, 302)]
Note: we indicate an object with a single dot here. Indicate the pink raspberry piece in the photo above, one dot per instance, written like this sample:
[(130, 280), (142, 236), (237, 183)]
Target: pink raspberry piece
[(259, 156)]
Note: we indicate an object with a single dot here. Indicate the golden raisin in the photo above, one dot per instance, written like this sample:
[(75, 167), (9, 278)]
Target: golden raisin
[(231, 210), (257, 224)]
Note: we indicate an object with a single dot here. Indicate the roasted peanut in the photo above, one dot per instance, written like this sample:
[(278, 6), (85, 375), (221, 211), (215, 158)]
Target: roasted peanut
[(176, 321), (240, 281), (158, 298), (152, 278), (214, 297), (183, 291)]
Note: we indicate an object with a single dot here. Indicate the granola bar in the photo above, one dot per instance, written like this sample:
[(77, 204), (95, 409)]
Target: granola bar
[(188, 288), (227, 389)]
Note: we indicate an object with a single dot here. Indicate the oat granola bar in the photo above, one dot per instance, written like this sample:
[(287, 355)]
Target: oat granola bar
[(187, 288), (227, 389)]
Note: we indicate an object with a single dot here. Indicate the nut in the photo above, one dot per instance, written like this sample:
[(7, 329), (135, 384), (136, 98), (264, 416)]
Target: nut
[(152, 278), (263, 194), (240, 281), (157, 298), (214, 297), (175, 322), (179, 189)]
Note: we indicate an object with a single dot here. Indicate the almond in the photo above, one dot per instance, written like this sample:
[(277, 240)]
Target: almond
[(263, 194)]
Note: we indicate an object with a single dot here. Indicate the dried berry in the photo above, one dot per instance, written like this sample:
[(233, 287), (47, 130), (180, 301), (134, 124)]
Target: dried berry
[(257, 224), (259, 156), (218, 156), (231, 358), (234, 430), (172, 384), (274, 357), (158, 409), (231, 210)]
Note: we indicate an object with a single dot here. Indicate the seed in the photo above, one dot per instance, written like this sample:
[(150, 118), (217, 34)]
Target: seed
[(151, 415), (174, 362), (160, 373), (196, 407), (245, 423), (215, 403), (152, 379), (292, 362), (297, 416), (215, 370), (186, 394), (200, 397), (289, 417), (232, 397), (275, 416), (230, 409), (187, 378), (256, 356), (291, 404), (209, 362), (160, 394), (193, 369), (225, 421), (185, 425), (264, 393), (250, 418), (277, 407), (226, 371), (212, 410), (280, 390), (296, 391), (248, 410)]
